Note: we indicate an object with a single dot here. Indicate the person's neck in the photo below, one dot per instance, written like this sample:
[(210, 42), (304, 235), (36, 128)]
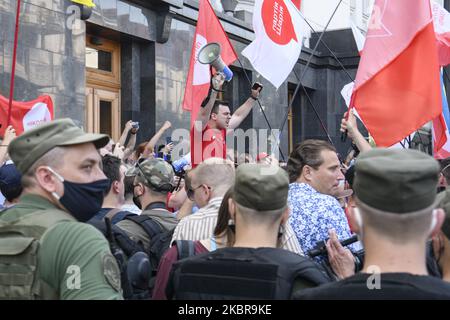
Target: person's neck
[(213, 125), (390, 257), (111, 201), (256, 237), (147, 201)]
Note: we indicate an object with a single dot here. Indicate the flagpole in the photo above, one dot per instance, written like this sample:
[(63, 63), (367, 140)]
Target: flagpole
[(264, 114), (326, 46), (315, 110), (306, 68), (13, 68)]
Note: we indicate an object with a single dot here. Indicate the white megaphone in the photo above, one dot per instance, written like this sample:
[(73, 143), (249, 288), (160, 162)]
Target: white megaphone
[(210, 54)]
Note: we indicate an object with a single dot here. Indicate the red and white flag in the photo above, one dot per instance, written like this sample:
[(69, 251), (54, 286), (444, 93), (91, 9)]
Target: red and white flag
[(25, 115), (208, 30), (441, 21), (279, 31), (395, 91)]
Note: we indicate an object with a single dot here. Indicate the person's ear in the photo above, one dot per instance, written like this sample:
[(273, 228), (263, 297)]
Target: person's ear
[(307, 173), (139, 190), (46, 179), (116, 186), (437, 220), (232, 209), (355, 219)]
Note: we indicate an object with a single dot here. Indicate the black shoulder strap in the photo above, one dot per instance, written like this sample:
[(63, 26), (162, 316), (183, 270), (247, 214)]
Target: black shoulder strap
[(185, 248), (112, 213), (151, 227)]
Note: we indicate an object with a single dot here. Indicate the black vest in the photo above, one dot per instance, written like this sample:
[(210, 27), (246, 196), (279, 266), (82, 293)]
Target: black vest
[(242, 273)]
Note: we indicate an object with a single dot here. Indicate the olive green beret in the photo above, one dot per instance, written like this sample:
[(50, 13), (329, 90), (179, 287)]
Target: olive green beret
[(33, 144), (261, 187), (396, 180)]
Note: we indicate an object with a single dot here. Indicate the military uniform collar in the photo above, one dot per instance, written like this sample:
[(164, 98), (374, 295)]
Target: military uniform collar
[(36, 201)]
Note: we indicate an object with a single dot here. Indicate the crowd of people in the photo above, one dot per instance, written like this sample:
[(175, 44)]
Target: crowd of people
[(85, 217)]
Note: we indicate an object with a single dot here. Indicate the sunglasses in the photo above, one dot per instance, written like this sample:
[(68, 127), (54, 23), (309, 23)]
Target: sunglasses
[(190, 192)]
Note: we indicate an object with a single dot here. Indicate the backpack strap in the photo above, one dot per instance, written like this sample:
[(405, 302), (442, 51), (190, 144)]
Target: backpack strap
[(150, 226), (112, 213), (185, 248)]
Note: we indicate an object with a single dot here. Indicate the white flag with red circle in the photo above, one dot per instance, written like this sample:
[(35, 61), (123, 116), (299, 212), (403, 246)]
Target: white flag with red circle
[(279, 29)]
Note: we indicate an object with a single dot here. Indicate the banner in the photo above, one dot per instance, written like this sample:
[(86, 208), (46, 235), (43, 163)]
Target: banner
[(279, 31), (25, 115)]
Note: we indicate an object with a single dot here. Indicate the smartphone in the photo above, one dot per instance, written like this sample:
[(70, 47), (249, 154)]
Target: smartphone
[(256, 86), (135, 125), (168, 140)]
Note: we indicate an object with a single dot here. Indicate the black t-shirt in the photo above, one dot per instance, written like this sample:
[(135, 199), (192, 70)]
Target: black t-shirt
[(392, 286)]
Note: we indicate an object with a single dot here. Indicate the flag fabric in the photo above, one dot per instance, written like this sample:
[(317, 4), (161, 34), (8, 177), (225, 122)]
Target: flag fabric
[(441, 135), (441, 22), (208, 30), (279, 31), (395, 91), (359, 37), (25, 115), (297, 3)]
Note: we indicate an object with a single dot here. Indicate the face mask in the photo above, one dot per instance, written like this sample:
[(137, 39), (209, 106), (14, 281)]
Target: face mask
[(82, 200)]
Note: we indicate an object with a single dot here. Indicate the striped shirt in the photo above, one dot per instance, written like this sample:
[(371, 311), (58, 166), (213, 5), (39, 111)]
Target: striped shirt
[(201, 226)]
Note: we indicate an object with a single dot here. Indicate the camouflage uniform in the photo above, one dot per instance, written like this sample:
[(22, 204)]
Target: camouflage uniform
[(157, 175)]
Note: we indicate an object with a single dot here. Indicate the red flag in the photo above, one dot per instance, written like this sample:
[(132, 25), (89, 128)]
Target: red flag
[(25, 115), (208, 30), (396, 92)]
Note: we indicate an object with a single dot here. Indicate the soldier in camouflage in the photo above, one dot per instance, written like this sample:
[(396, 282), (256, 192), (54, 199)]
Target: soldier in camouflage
[(152, 184)]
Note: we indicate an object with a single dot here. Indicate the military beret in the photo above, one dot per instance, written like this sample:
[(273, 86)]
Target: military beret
[(396, 180), (261, 187)]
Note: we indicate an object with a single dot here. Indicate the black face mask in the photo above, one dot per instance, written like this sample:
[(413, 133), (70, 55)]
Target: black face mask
[(137, 202), (82, 200)]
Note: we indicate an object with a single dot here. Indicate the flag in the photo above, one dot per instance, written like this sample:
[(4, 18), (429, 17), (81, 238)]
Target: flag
[(359, 37), (395, 91), (441, 22), (441, 137), (208, 30), (297, 3), (279, 30), (25, 115)]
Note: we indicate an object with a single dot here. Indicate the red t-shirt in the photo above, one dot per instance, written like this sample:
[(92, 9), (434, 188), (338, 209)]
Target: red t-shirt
[(165, 266), (211, 143)]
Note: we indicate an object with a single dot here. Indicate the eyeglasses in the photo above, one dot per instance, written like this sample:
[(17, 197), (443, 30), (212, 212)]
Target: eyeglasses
[(190, 192)]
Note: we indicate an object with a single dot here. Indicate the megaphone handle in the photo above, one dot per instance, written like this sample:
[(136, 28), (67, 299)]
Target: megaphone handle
[(211, 82)]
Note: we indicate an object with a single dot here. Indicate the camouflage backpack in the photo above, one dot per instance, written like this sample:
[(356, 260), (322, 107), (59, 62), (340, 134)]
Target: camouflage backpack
[(19, 246)]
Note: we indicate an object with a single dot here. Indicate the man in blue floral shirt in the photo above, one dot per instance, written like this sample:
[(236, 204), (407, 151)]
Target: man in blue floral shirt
[(314, 172)]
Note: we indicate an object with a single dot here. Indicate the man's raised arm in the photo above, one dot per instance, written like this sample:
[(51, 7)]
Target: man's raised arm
[(205, 112)]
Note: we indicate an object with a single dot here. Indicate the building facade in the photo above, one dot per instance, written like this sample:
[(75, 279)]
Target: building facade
[(130, 60)]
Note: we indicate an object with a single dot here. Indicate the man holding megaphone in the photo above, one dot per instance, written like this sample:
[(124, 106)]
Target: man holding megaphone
[(214, 121)]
